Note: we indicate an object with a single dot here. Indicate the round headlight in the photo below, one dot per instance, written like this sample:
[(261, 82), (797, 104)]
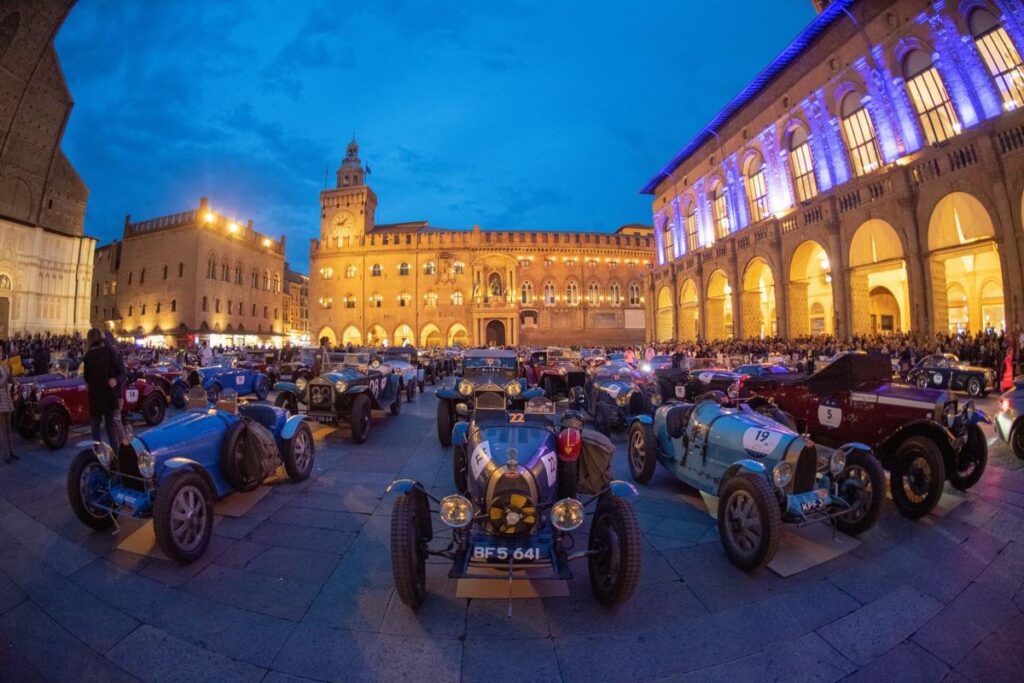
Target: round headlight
[(782, 473), (655, 399), (513, 389), (465, 387), (622, 399), (341, 386), (301, 383), (104, 453), (456, 511), (563, 371), (949, 413), (567, 514), (147, 464), (645, 367), (837, 462), (969, 409)]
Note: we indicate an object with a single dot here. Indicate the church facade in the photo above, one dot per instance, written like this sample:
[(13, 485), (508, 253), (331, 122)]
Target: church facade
[(415, 283)]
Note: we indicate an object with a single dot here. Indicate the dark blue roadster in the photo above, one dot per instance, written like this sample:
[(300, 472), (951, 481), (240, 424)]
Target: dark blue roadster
[(228, 375), (494, 368), (174, 472)]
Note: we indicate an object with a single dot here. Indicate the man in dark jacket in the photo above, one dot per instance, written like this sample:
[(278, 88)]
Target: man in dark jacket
[(102, 375)]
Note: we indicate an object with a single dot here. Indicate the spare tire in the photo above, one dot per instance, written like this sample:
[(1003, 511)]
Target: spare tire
[(234, 454)]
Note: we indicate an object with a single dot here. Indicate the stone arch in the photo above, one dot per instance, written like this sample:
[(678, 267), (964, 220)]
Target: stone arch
[(352, 336), (404, 335), (430, 335), (689, 311), (328, 332), (663, 317), (877, 260), (16, 198), (718, 306), (458, 335), (962, 249), (376, 336), (757, 300), (810, 282)]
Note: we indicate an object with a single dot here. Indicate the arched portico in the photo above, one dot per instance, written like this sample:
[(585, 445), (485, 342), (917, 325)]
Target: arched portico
[(718, 306), (689, 312), (352, 336), (810, 283), (328, 332), (458, 335), (665, 320), (376, 336), (879, 287), (431, 336), (757, 300)]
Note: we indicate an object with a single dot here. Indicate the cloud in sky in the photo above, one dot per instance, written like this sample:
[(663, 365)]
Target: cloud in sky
[(518, 114)]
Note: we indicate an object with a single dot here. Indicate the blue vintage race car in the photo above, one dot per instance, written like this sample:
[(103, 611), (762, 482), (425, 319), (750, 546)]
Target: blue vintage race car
[(495, 368), (174, 472), (226, 374), (1010, 418), (762, 472), (614, 394)]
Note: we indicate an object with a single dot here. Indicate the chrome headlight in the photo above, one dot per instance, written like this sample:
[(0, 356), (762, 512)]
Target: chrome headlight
[(837, 462), (147, 464), (465, 387), (645, 367), (949, 414), (563, 371), (456, 511), (341, 386), (513, 389), (104, 453), (623, 399), (567, 514), (656, 399), (301, 383), (782, 473), (968, 410)]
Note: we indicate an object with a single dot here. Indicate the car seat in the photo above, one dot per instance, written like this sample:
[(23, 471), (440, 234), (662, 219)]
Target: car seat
[(677, 418)]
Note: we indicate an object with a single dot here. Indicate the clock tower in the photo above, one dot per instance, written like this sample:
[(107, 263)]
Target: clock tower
[(347, 210)]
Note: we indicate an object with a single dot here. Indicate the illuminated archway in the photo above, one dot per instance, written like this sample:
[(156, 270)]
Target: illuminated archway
[(458, 335), (689, 312), (757, 300), (328, 332), (352, 336), (664, 323), (376, 336), (718, 306), (431, 336), (810, 283), (404, 335), (962, 251), (877, 263)]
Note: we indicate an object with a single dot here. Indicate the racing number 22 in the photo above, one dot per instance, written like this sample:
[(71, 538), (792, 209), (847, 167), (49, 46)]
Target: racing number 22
[(516, 418)]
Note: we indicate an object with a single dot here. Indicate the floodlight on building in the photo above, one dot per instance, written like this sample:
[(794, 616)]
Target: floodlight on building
[(266, 241), (209, 216), (232, 227)]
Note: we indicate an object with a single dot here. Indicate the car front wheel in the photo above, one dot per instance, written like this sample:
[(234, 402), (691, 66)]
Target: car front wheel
[(360, 418), (213, 393), (153, 408), (54, 425), (88, 487), (183, 516), (1017, 439), (262, 389), (286, 400), (861, 485), (916, 477), (179, 396), (748, 521), (971, 460), (298, 455), (26, 424), (616, 552), (641, 451), (974, 387), (922, 381), (444, 423), (408, 551)]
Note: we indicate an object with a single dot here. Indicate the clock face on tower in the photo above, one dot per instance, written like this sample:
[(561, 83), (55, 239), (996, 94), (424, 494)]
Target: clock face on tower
[(343, 222)]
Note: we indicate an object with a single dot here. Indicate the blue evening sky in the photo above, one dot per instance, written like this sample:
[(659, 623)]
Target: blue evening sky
[(541, 114)]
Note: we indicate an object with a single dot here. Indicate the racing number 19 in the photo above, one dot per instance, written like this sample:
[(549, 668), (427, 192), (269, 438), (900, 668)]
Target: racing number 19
[(762, 436)]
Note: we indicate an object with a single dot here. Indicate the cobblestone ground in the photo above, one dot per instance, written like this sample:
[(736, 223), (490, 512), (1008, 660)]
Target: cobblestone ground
[(300, 588)]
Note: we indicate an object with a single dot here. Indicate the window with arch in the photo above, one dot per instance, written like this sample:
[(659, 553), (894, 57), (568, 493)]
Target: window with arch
[(430, 298), (211, 268), (350, 271), (690, 228), (458, 268), (238, 273), (350, 301), (550, 297), (1000, 55), (430, 268), (457, 298), (255, 279), (668, 245), (326, 273), (634, 294), (860, 134), (404, 299), (615, 294), (720, 210), (526, 293), (403, 268), (165, 272), (376, 270), (802, 164), (572, 293), (593, 294), (931, 101), (143, 309), (130, 273), (266, 281), (174, 305), (205, 305), (181, 269), (277, 284), (225, 271), (216, 306), (757, 190), (130, 311)]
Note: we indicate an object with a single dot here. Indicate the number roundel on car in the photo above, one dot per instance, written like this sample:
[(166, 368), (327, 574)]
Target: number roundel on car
[(240, 380), (937, 378), (481, 456), (761, 441), (830, 416), (131, 395)]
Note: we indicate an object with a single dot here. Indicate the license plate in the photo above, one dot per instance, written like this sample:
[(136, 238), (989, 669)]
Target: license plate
[(812, 505), (324, 419), (502, 554), (680, 392)]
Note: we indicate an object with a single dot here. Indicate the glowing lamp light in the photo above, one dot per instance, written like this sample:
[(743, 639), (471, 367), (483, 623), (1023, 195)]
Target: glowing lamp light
[(208, 216), (828, 279), (266, 241), (824, 263), (232, 227)]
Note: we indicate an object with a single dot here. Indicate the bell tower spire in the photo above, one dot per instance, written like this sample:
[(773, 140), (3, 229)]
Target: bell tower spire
[(350, 173)]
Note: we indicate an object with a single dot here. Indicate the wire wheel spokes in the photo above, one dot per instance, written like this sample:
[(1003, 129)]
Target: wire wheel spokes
[(858, 484), (638, 451), (608, 547), (743, 521), (93, 486), (917, 479), (301, 450), (188, 517)]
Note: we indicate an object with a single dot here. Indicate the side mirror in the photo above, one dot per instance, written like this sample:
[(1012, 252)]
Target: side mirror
[(461, 410)]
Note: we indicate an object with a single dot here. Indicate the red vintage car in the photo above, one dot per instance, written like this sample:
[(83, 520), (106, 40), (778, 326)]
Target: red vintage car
[(52, 408), (922, 436), (555, 370), (170, 377)]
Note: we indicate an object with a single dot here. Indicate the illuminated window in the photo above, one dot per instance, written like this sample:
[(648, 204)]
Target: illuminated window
[(720, 209), (403, 268), (403, 299), (457, 298), (351, 271), (668, 253), (527, 293), (430, 268), (803, 165), (548, 262), (376, 301), (431, 299), (375, 270), (327, 273), (860, 134), (350, 301), (927, 92), (757, 192), (593, 294), (690, 225), (615, 294), (211, 268), (634, 294), (549, 294), (1000, 55), (458, 268), (572, 293)]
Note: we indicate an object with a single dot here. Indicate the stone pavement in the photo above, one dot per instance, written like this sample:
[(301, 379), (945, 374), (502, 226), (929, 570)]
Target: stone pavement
[(300, 588)]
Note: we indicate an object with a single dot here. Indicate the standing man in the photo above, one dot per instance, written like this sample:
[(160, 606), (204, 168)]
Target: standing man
[(205, 355), (101, 379), (320, 357)]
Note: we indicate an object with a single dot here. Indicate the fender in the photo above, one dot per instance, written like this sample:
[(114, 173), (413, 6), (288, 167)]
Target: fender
[(263, 376), (980, 416), (855, 446), (622, 489), (740, 466), (52, 400), (942, 436), (292, 426), (643, 419), (402, 486), (449, 394), (96, 447), (460, 434), (172, 465), (290, 387), (535, 392)]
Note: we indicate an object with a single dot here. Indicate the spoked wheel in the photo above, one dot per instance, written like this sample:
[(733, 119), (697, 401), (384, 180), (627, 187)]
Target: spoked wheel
[(26, 423), (922, 381), (641, 451), (444, 422), (616, 552), (460, 467), (974, 387), (917, 477), (748, 521), (179, 396), (55, 425), (971, 460), (408, 551), (1017, 440), (183, 516), (262, 389), (862, 485), (213, 393), (153, 408), (88, 487), (298, 455), (360, 418)]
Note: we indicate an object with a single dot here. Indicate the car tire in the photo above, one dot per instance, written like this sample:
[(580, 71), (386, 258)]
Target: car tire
[(975, 387), (408, 551), (641, 452), (742, 497), (616, 552), (232, 458), (971, 460), (262, 389), (603, 420), (863, 483), (445, 422), (183, 516), (286, 400), (179, 396), (54, 426), (213, 393), (396, 405), (153, 408), (916, 477), (86, 472), (922, 381), (549, 388), (25, 423), (1017, 439), (360, 418), (410, 391), (460, 468), (298, 454)]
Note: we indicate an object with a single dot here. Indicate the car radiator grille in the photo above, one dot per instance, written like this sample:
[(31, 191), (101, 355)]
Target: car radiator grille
[(320, 396), (128, 465), (806, 470), (511, 511)]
